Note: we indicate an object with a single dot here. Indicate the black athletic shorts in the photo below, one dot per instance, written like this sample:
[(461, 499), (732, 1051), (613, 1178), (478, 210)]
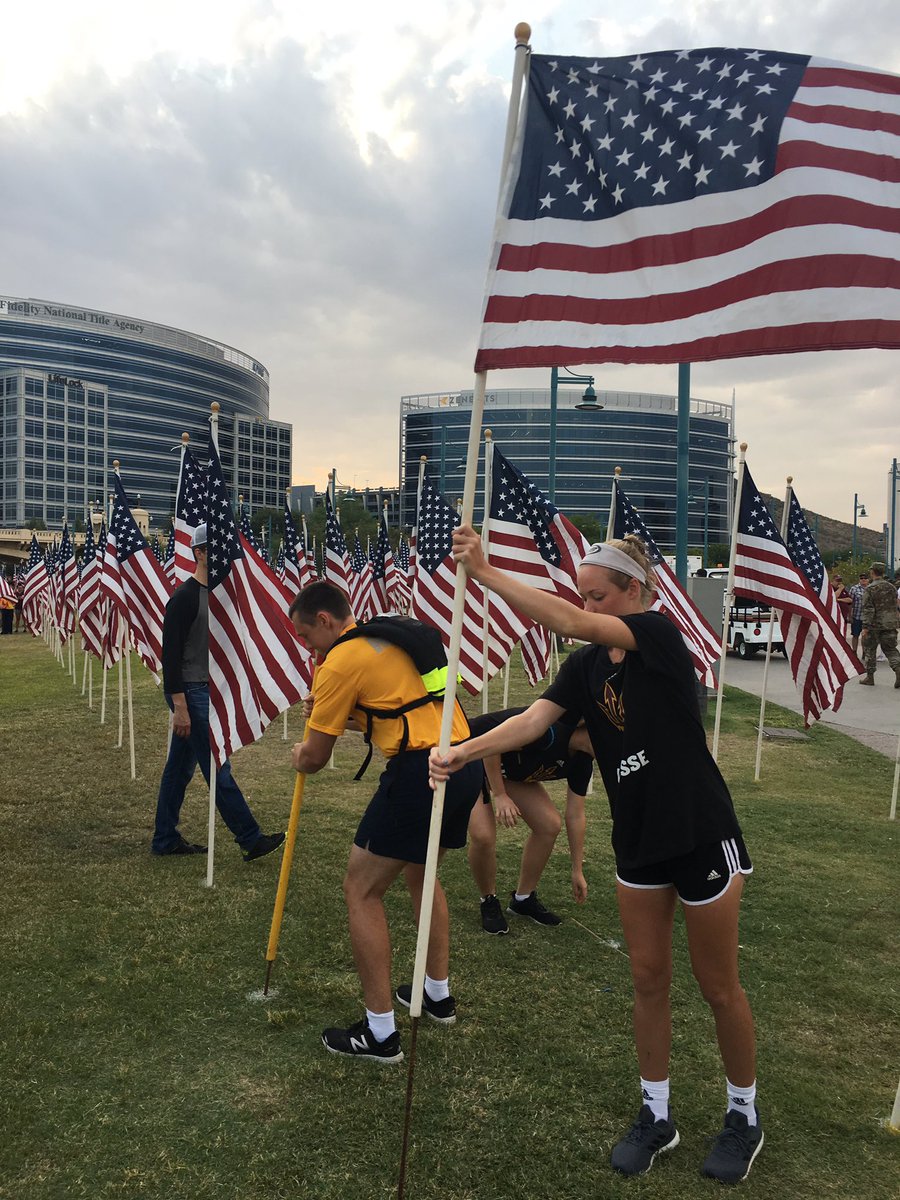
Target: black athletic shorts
[(699, 877), (396, 823)]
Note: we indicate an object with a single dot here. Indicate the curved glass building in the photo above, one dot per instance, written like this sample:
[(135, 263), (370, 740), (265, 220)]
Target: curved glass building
[(634, 430), (80, 388)]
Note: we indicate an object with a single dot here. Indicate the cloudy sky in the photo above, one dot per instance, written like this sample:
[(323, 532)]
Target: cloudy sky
[(317, 189)]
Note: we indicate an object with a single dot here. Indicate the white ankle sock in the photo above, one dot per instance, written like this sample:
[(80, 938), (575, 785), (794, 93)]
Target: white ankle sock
[(520, 896), (655, 1093), (381, 1024), (742, 1100), (437, 989)]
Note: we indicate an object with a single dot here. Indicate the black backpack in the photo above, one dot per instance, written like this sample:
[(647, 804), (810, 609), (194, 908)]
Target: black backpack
[(424, 646)]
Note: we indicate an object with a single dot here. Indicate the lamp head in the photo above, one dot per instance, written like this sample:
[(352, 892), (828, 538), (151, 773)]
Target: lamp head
[(589, 401)]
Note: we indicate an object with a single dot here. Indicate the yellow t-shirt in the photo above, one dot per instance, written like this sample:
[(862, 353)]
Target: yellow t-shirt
[(372, 672)]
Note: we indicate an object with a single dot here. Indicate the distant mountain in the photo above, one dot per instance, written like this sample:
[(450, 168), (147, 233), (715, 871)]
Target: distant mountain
[(832, 535)]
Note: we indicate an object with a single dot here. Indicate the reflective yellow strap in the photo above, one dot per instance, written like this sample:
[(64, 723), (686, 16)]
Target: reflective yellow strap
[(435, 682)]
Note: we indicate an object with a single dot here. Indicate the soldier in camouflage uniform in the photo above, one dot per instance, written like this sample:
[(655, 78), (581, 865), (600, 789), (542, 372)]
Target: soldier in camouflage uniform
[(880, 619)]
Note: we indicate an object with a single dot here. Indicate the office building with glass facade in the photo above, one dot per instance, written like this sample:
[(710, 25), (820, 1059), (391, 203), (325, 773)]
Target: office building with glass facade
[(80, 388), (635, 431)]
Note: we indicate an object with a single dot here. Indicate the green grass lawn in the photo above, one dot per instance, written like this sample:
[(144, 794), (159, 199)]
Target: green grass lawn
[(137, 1062)]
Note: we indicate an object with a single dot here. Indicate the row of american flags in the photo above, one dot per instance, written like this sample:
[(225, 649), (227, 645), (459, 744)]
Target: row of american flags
[(258, 667)]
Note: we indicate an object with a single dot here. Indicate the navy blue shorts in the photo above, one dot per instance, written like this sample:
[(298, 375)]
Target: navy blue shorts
[(396, 823), (699, 877)]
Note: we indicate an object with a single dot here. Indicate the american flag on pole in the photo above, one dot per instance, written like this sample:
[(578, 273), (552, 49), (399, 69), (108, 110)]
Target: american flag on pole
[(169, 560), (6, 590), (91, 615), (296, 566), (337, 562), (692, 205), (821, 661), (257, 665), (66, 586), (190, 511), (433, 590), (134, 584), (703, 643), (528, 537), (37, 588), (535, 647), (362, 595), (388, 584)]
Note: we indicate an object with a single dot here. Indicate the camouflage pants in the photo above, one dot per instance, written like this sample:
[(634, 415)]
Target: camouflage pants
[(887, 639)]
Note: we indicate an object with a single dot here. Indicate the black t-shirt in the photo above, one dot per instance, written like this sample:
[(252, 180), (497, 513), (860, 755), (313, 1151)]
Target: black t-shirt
[(546, 759), (666, 794)]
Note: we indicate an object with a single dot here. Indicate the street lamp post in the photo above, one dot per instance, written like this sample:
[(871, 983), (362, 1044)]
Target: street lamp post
[(894, 517), (859, 510), (588, 403)]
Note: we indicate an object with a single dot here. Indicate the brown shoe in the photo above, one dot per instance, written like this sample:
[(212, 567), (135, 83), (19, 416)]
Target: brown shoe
[(868, 681)]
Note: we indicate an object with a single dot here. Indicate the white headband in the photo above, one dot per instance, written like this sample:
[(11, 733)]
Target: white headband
[(604, 555)]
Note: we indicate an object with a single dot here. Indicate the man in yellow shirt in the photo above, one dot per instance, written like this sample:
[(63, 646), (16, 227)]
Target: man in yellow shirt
[(368, 672)]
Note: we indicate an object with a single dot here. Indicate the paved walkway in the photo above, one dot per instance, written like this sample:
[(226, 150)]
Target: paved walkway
[(871, 715)]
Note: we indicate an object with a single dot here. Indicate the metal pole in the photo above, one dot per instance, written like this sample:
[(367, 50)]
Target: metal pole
[(855, 510), (893, 516), (551, 467), (681, 472), (706, 527)]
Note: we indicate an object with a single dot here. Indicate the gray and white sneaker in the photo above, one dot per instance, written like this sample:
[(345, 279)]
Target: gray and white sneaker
[(735, 1148), (634, 1153)]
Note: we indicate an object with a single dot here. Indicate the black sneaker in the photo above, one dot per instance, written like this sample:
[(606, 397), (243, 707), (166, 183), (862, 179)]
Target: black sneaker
[(492, 918), (647, 1137), (264, 844), (181, 847), (735, 1148), (359, 1042), (442, 1011), (532, 907)]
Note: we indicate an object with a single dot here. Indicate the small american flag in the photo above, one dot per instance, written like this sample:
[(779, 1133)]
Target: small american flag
[(296, 565), (134, 583), (389, 586), (528, 537), (91, 615), (66, 586), (337, 562), (703, 643), (362, 595), (190, 511), (821, 661), (433, 590), (535, 647), (37, 589), (693, 205), (169, 560), (257, 665)]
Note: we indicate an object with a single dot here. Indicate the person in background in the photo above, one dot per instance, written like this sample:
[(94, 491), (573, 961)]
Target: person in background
[(185, 661), (843, 598), (856, 595), (879, 625), (515, 788)]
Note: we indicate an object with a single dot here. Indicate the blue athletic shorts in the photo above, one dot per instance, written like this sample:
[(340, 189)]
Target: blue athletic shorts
[(396, 823)]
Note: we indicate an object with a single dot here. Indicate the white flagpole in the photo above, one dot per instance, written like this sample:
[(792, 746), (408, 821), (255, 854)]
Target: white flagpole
[(84, 673), (894, 1121), (506, 672), (728, 599), (765, 678), (485, 538), (211, 830), (523, 32), (90, 670), (130, 710), (122, 652), (896, 782), (105, 672)]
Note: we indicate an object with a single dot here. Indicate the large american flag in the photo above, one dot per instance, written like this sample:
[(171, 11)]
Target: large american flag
[(697, 204), (91, 615), (134, 584), (296, 566), (703, 643), (337, 562), (66, 586), (821, 661), (37, 588), (257, 665), (433, 591), (190, 511)]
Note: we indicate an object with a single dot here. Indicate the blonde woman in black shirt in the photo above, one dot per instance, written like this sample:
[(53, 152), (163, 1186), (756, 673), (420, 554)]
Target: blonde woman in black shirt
[(675, 834)]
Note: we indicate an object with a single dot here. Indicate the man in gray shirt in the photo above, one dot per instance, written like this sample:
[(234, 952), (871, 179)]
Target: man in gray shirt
[(185, 659)]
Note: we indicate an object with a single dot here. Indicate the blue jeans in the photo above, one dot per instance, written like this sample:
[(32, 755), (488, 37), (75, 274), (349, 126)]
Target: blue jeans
[(184, 755)]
